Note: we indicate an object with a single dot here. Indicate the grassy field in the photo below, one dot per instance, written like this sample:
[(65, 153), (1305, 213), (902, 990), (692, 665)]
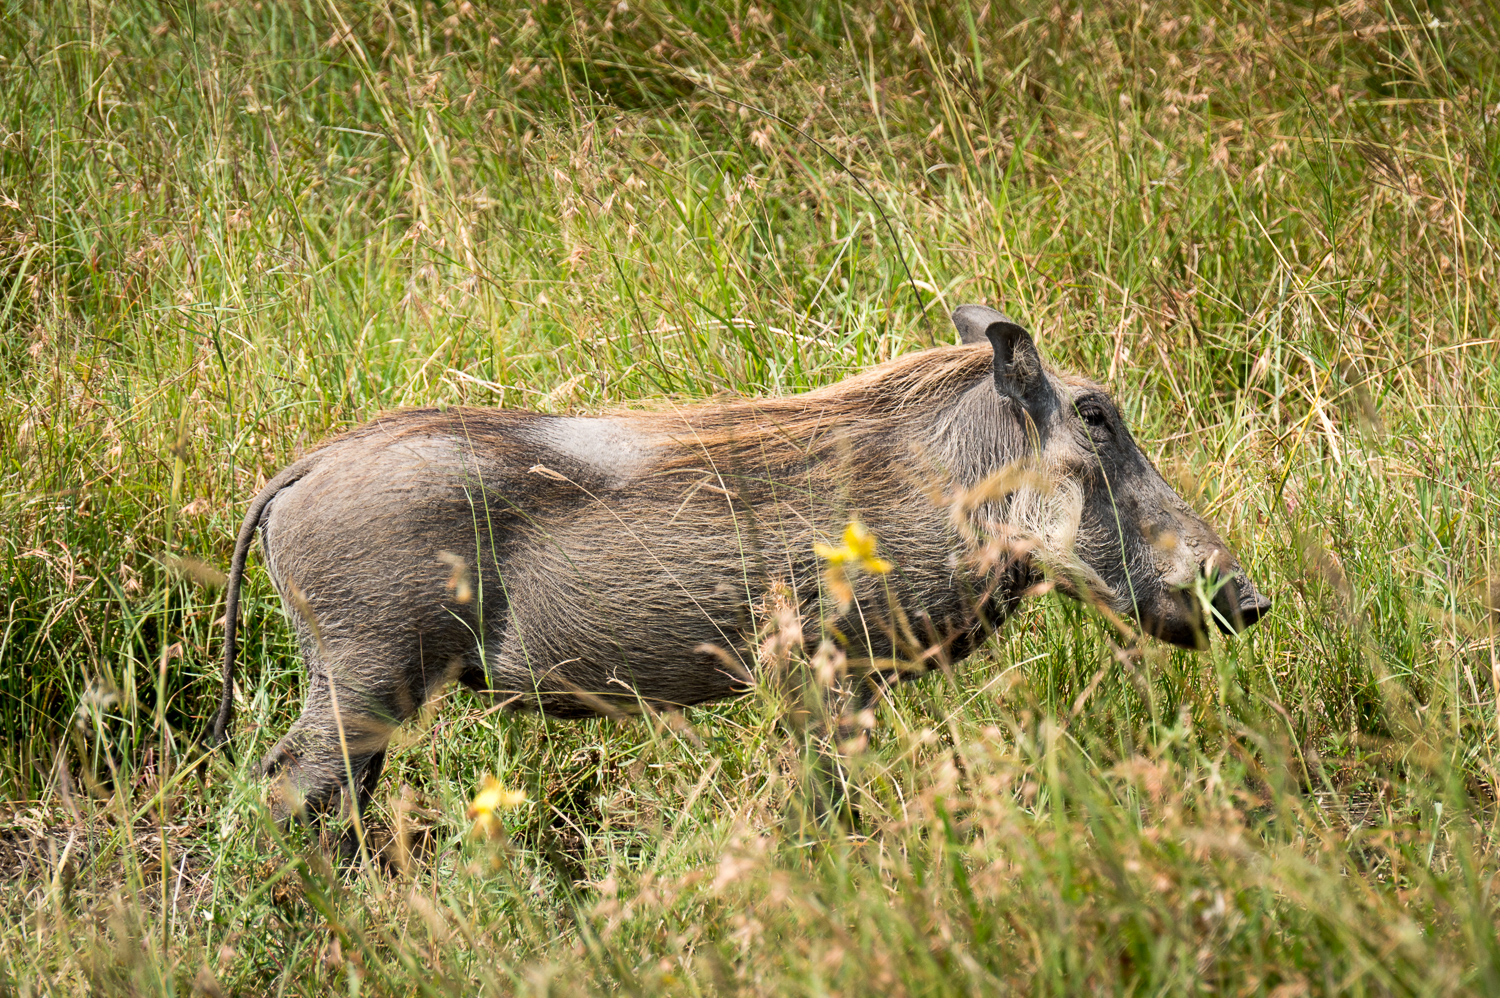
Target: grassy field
[(228, 230)]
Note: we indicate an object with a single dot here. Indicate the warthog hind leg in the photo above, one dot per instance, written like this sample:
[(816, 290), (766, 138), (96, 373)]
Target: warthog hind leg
[(337, 744)]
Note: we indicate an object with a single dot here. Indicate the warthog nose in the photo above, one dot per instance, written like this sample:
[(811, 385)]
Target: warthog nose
[(1237, 605), (1254, 608)]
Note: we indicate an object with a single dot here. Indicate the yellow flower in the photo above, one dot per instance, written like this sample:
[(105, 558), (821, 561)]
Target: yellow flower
[(858, 549), (857, 552), (491, 799)]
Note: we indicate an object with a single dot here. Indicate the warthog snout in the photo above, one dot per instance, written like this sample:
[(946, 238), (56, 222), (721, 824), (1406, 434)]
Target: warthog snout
[(641, 559), (1237, 604), (1182, 617)]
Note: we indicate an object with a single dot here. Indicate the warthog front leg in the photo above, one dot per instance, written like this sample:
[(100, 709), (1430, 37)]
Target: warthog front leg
[(840, 734)]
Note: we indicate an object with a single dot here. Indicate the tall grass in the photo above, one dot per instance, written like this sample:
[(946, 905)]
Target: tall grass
[(229, 230)]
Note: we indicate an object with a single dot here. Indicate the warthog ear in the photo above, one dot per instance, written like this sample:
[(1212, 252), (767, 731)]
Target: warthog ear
[(1018, 367)]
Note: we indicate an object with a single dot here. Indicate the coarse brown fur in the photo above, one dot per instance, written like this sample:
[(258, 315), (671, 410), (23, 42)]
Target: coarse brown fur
[(575, 565)]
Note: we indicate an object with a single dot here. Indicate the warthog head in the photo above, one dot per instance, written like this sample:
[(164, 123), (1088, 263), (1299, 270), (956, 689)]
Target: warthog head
[(1128, 541)]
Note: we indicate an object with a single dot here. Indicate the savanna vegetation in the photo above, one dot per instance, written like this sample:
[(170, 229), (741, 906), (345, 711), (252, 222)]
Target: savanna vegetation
[(228, 230)]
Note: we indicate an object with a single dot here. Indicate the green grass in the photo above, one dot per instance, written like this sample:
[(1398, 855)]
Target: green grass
[(229, 230)]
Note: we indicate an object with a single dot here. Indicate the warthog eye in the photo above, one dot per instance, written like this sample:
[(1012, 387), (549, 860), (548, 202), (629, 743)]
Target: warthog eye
[(1093, 414)]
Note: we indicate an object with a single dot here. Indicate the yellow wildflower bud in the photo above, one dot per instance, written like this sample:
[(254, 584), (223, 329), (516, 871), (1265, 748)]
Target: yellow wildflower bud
[(858, 549), (856, 552), (491, 799)]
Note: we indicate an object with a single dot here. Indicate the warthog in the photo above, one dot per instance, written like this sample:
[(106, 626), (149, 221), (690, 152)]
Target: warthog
[(584, 564)]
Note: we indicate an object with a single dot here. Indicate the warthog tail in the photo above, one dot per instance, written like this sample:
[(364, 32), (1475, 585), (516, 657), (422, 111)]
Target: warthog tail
[(232, 593)]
